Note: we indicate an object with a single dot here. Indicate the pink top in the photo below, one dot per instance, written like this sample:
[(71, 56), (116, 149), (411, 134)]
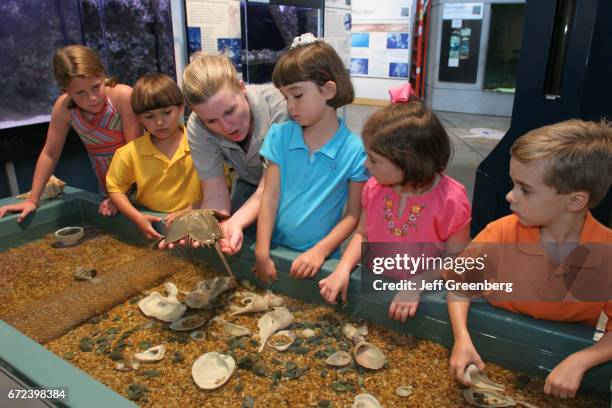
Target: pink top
[(428, 218), (431, 217)]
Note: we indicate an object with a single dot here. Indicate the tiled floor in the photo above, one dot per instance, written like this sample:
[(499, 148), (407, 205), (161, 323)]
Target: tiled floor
[(468, 149)]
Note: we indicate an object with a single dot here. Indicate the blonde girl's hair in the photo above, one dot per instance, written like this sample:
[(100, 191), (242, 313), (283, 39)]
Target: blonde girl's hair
[(77, 61), (206, 75), (317, 62), (155, 91), (578, 155), (412, 137)]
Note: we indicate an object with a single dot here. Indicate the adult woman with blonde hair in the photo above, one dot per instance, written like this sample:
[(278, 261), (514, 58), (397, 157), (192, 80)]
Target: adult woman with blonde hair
[(228, 125)]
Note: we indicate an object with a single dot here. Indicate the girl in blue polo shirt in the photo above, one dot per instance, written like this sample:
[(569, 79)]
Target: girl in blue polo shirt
[(314, 163)]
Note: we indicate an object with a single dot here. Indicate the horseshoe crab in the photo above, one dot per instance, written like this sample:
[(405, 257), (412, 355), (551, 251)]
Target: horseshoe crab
[(202, 226)]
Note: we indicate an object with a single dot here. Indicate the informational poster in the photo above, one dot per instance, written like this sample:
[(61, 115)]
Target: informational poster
[(381, 38), (338, 23), (214, 26), (461, 26)]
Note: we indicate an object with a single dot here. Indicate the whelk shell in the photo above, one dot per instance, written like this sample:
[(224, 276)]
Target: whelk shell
[(230, 329), (354, 334), (212, 370), (252, 302), (271, 322)]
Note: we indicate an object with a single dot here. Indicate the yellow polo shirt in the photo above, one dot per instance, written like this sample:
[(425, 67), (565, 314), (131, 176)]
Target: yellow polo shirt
[(162, 184)]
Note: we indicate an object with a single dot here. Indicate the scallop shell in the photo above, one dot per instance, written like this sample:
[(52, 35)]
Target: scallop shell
[(167, 309), (339, 359), (365, 401), (152, 354), (369, 356), (230, 329), (487, 398), (272, 322), (479, 380), (188, 322), (354, 334), (211, 370), (281, 340)]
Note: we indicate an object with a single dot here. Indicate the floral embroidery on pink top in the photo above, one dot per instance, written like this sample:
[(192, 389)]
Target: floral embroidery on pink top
[(395, 228)]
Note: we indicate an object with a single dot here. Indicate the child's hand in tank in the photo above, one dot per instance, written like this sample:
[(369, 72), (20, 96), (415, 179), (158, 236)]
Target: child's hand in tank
[(107, 208), (334, 284), (265, 269), (404, 305), (564, 380), (145, 225), (232, 242), (25, 207), (464, 353), (307, 264)]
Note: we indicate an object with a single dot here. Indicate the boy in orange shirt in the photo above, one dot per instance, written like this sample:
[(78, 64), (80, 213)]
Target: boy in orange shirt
[(559, 172)]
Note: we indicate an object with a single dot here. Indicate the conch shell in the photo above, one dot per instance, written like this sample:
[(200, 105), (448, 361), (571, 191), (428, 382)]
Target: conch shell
[(271, 322), (52, 189), (478, 380)]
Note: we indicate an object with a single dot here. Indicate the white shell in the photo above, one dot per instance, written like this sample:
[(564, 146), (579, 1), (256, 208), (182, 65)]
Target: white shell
[(206, 291), (479, 380), (171, 289), (167, 309), (230, 329), (252, 302), (70, 236), (369, 356), (272, 322), (365, 401), (123, 366), (153, 354), (339, 359), (278, 344), (487, 398), (308, 333), (354, 334), (211, 370), (404, 390)]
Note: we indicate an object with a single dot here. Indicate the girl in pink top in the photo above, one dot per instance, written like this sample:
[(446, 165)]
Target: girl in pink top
[(408, 199)]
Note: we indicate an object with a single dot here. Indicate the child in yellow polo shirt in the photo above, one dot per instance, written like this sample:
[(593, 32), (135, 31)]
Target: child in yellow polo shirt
[(159, 163)]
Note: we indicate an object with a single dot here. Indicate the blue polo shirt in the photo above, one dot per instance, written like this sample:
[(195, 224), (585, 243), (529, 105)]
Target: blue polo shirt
[(314, 187)]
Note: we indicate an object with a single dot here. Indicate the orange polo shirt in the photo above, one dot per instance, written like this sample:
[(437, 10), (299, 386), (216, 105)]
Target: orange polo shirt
[(508, 230)]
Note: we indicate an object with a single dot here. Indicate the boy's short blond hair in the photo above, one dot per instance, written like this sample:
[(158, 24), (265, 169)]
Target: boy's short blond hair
[(579, 156), (206, 75), (155, 91)]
